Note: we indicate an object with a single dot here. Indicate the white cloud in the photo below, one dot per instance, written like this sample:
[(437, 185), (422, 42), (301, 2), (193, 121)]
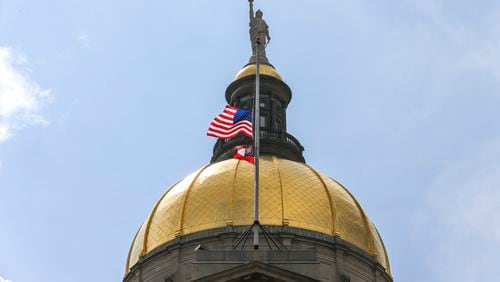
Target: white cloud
[(4, 280), (475, 41), (83, 39), (21, 99), (485, 57), (459, 224)]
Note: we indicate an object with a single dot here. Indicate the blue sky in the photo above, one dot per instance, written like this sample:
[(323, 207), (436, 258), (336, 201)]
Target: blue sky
[(105, 104)]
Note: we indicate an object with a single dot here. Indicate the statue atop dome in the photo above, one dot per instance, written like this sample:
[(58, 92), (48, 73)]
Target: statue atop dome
[(259, 35)]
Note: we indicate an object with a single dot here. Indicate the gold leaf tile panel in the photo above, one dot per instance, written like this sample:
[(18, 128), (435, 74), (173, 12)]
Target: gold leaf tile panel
[(308, 205), (242, 203), (137, 246), (271, 210), (350, 222), (165, 221), (208, 203), (380, 248)]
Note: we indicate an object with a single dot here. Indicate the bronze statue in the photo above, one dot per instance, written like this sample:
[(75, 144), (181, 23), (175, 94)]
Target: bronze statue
[(259, 34)]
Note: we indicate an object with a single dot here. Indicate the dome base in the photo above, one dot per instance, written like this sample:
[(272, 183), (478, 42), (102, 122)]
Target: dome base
[(208, 256)]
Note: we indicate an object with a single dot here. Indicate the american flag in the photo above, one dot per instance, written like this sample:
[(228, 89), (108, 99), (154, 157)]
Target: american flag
[(231, 122)]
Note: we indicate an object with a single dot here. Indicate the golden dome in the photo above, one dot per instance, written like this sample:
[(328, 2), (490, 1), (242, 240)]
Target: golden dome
[(264, 69), (292, 194)]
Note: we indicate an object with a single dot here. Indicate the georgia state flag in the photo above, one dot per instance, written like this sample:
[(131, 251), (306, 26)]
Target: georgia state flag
[(244, 152)]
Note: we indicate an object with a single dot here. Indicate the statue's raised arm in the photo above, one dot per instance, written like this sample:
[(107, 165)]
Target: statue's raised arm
[(251, 11)]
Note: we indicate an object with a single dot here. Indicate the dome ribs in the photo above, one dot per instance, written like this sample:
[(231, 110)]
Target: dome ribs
[(284, 215), (236, 166), (371, 248), (185, 196), (332, 209)]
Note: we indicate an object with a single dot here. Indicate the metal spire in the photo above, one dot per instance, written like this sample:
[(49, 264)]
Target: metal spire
[(256, 138)]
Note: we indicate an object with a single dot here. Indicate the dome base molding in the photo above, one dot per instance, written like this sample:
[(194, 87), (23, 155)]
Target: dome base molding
[(208, 255)]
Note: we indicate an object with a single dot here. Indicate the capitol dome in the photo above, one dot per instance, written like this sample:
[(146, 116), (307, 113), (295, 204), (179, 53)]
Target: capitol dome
[(304, 225), (293, 194)]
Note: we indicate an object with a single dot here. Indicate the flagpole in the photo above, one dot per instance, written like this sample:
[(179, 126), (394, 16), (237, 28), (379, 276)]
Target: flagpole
[(256, 138)]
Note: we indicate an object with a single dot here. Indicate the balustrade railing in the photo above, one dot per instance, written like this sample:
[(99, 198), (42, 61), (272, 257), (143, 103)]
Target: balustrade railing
[(223, 145)]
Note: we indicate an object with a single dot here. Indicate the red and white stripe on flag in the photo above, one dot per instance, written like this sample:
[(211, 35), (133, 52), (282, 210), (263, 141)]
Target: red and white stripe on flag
[(224, 126)]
